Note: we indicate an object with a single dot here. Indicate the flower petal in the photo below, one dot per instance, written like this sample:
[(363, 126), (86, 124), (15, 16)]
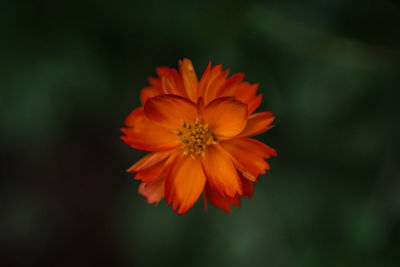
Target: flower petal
[(189, 78), (149, 161), (225, 116), (152, 173), (185, 183), (258, 123), (200, 106), (249, 155), (263, 150), (248, 187), (219, 201), (154, 191), (254, 103), (227, 89), (245, 92), (171, 81), (157, 170), (200, 91), (146, 93), (221, 173), (145, 135), (169, 110), (211, 82), (242, 91), (153, 90)]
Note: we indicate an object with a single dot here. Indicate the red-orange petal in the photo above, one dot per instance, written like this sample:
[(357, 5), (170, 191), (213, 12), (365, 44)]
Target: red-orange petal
[(153, 90), (264, 150), (169, 110), (203, 80), (225, 116), (254, 103), (219, 201), (153, 191), (249, 155), (200, 106), (185, 183), (248, 186), (171, 81), (149, 160), (156, 171), (156, 84), (227, 89), (211, 82), (189, 78), (245, 92), (145, 135), (220, 171), (258, 123), (242, 91), (152, 173), (147, 93), (173, 84)]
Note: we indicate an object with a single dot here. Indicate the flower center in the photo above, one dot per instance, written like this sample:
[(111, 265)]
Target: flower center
[(195, 136)]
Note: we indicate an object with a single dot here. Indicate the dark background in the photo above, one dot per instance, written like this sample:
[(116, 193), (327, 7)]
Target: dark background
[(71, 71)]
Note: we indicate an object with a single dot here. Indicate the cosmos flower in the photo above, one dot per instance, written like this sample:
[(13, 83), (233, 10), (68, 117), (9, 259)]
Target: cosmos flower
[(198, 134)]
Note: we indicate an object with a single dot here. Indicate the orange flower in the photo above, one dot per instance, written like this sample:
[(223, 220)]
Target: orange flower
[(198, 135)]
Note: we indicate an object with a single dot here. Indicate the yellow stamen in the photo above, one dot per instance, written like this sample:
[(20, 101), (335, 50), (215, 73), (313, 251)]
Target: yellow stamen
[(195, 136)]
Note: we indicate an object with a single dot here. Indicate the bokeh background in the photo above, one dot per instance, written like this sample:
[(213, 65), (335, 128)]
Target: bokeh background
[(71, 71)]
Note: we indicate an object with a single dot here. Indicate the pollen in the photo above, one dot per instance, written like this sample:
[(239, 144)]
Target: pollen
[(195, 136)]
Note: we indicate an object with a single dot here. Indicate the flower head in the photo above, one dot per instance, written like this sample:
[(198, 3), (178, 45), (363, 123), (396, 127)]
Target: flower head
[(198, 133)]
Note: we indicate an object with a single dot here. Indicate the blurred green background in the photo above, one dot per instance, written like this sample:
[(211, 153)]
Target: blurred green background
[(71, 71)]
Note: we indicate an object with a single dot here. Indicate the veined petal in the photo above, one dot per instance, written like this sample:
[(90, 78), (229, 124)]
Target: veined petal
[(242, 91), (228, 88), (211, 82), (200, 91), (153, 90), (258, 123), (149, 161), (263, 150), (157, 170), (171, 81), (248, 187), (145, 135), (146, 93), (200, 106), (152, 173), (220, 171), (249, 155), (185, 183), (169, 110), (189, 78), (254, 103), (219, 201), (225, 116), (243, 171), (153, 191), (245, 92), (155, 84)]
